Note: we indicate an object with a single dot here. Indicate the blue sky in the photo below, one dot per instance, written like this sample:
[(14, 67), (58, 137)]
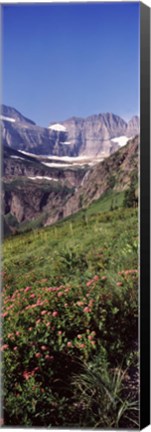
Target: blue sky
[(63, 60)]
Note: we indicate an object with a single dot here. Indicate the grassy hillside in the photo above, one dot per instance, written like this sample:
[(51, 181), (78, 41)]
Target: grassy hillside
[(70, 321)]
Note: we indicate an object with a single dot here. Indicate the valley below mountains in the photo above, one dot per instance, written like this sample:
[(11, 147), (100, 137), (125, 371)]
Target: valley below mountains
[(50, 174)]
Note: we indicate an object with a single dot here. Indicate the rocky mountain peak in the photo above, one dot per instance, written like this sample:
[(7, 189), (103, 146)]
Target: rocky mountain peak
[(133, 126), (91, 136), (12, 113)]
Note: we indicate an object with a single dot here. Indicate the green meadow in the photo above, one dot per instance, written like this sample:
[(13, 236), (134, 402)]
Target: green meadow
[(70, 320)]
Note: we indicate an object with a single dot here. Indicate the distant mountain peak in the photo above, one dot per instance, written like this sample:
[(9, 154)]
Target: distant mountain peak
[(11, 112), (91, 136), (133, 126)]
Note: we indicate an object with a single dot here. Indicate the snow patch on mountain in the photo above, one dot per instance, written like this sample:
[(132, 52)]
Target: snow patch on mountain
[(9, 119), (27, 153), (16, 157), (121, 140), (42, 178), (56, 165), (65, 142), (57, 127)]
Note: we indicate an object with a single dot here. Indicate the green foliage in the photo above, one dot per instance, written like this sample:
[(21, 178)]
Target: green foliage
[(80, 201), (46, 186), (70, 310), (111, 181), (98, 396), (130, 197), (11, 220), (26, 226)]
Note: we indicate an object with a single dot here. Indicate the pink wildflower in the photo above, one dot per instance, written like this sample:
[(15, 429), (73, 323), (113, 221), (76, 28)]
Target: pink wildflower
[(89, 283), (3, 347), (59, 333), (119, 284), (67, 289), (91, 302), (60, 294), (38, 355), (82, 345), (86, 309), (48, 357), (96, 278), (43, 348), (79, 336), (38, 321), (93, 333), (32, 295), (10, 307), (26, 375), (27, 289), (15, 348), (43, 312), (48, 324), (93, 343), (69, 344), (17, 333), (103, 278), (80, 303), (10, 335), (55, 313)]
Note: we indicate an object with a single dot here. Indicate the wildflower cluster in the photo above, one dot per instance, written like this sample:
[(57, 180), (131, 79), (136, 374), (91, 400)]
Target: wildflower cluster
[(46, 330)]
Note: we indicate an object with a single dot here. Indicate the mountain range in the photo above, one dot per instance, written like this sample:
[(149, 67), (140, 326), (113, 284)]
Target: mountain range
[(96, 135), (45, 180)]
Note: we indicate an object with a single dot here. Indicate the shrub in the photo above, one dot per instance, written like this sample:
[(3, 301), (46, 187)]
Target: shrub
[(50, 332)]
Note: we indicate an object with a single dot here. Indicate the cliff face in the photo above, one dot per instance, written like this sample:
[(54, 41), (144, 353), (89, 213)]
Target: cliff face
[(27, 201), (55, 194), (31, 190), (133, 126), (76, 136), (15, 164), (114, 173)]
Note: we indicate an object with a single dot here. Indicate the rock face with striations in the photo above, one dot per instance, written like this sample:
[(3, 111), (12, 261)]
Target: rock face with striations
[(91, 136), (22, 134), (115, 173), (62, 193), (133, 126)]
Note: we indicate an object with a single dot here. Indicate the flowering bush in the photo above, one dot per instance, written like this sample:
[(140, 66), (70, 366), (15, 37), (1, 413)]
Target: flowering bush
[(49, 332)]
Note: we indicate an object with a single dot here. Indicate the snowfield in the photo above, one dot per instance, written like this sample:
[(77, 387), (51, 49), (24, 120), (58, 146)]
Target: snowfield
[(122, 140), (9, 119), (57, 127), (16, 157), (42, 178), (65, 142)]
